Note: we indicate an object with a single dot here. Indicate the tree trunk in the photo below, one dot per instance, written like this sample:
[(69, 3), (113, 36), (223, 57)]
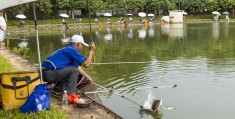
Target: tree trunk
[(72, 13)]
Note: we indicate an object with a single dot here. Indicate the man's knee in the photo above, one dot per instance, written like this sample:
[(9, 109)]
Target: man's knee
[(73, 69), (49, 76)]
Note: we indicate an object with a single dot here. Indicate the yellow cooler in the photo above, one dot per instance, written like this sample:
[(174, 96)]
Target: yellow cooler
[(16, 87)]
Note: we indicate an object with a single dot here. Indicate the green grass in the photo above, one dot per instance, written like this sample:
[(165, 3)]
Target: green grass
[(5, 66), (53, 113)]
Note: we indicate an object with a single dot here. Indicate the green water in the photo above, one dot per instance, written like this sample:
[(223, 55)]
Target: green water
[(199, 58)]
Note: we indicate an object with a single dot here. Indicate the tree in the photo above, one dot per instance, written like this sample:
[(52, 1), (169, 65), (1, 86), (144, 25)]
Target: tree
[(120, 6), (19, 8), (44, 6), (72, 5), (135, 5), (97, 6), (227, 4), (214, 5), (194, 5), (159, 5)]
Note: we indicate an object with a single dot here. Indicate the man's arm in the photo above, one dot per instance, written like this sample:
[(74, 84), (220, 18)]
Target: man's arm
[(83, 73), (87, 63)]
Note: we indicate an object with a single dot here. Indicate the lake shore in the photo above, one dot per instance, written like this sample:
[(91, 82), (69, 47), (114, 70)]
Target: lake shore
[(94, 111), (59, 27)]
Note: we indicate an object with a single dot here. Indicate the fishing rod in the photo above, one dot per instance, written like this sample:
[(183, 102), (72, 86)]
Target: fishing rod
[(93, 92), (91, 38), (89, 15), (118, 94), (142, 88)]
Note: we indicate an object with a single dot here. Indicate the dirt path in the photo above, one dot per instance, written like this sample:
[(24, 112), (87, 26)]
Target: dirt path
[(93, 112), (16, 61)]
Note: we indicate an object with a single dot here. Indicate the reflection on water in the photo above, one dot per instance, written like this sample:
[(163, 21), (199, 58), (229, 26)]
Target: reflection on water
[(97, 34), (215, 30), (79, 32), (130, 33), (142, 33), (151, 31), (23, 41), (23, 37), (203, 69), (226, 29), (64, 38), (149, 115), (23, 44), (121, 28), (165, 29), (108, 36), (174, 30)]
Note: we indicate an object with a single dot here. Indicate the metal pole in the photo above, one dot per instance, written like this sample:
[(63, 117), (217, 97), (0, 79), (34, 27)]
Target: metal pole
[(179, 4), (91, 38), (38, 47), (89, 15)]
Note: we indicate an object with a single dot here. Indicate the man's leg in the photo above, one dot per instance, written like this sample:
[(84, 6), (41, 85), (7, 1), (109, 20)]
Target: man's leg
[(1, 47), (67, 79)]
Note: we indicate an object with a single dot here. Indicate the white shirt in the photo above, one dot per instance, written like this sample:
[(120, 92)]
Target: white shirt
[(3, 26), (3, 23)]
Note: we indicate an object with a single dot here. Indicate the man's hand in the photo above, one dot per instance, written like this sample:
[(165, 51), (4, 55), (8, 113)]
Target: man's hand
[(89, 78), (84, 81), (92, 47)]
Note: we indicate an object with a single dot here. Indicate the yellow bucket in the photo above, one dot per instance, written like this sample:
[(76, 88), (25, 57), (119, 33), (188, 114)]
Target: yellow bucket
[(16, 87)]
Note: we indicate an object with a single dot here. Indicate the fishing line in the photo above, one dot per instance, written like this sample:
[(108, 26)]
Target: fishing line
[(142, 88), (118, 94), (153, 107)]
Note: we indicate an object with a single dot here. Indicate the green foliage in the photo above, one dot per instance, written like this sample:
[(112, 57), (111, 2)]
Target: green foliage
[(53, 113), (120, 5), (154, 6), (97, 5), (44, 6), (5, 66), (137, 5), (23, 51), (49, 7), (214, 5), (20, 8), (72, 4), (194, 5), (227, 4)]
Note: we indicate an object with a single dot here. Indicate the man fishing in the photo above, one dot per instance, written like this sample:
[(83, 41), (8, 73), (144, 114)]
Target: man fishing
[(63, 66), (2, 29)]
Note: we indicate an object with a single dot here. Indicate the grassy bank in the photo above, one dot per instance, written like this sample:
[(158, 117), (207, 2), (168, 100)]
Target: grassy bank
[(53, 113)]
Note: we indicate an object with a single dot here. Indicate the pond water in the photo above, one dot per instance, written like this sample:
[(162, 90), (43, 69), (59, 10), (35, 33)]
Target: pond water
[(198, 58)]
